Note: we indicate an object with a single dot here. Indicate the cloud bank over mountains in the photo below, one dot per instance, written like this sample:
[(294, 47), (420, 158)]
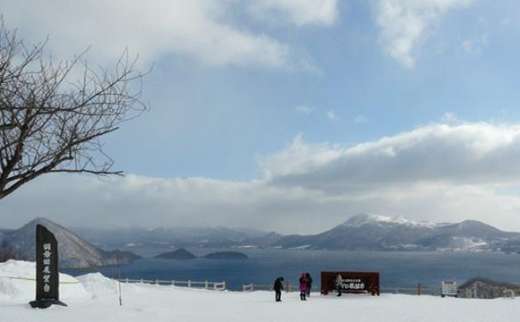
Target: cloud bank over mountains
[(474, 153), (437, 172)]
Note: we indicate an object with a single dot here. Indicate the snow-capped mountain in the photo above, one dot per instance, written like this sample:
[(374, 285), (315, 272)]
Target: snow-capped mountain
[(73, 251), (361, 232), (370, 232), (363, 219)]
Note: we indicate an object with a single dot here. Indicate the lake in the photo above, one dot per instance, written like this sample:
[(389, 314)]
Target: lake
[(397, 269)]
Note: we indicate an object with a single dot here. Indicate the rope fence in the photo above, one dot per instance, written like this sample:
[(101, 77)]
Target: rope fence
[(33, 279)]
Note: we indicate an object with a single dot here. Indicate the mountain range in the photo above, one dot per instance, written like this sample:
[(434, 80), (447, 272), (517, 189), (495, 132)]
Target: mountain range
[(362, 232), (74, 252), (369, 232), (168, 238)]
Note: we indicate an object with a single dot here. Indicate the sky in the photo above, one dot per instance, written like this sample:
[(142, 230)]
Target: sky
[(293, 115)]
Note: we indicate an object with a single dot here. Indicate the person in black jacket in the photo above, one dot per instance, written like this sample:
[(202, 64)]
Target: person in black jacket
[(309, 282), (278, 287)]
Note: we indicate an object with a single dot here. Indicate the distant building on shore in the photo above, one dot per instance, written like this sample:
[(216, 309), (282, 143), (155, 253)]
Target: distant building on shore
[(483, 288)]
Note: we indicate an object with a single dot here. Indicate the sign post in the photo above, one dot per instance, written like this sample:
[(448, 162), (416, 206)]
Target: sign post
[(47, 274), (351, 282)]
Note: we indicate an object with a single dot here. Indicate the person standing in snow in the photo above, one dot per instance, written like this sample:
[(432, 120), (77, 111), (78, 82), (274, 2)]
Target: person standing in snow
[(304, 284), (339, 284), (309, 284), (278, 287)]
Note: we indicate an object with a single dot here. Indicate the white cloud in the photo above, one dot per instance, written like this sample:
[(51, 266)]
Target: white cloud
[(298, 12), (466, 153), (404, 23), (199, 29), (438, 172), (151, 202), (298, 158)]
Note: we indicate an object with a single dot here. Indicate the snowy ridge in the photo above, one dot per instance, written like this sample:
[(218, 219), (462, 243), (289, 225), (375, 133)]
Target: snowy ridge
[(365, 219), (382, 233)]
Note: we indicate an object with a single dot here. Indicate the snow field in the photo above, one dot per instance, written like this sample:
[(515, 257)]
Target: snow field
[(95, 298), (17, 282)]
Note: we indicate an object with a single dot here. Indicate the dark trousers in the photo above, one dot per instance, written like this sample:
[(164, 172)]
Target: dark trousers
[(339, 290), (278, 296), (302, 295)]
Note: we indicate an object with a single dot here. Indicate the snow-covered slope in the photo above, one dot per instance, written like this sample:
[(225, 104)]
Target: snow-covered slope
[(371, 232), (166, 304)]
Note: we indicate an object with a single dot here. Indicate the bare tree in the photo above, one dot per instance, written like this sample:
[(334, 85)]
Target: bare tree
[(7, 252), (53, 113)]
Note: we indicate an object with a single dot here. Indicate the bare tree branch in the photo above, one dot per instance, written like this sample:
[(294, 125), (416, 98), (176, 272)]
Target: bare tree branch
[(53, 114)]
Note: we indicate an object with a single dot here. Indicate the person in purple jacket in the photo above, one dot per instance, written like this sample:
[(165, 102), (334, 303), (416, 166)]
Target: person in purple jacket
[(304, 285)]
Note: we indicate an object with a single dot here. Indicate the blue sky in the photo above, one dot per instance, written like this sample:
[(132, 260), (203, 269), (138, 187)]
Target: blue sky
[(215, 121), (263, 112)]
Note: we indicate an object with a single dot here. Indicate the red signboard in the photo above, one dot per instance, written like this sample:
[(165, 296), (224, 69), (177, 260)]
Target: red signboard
[(350, 282)]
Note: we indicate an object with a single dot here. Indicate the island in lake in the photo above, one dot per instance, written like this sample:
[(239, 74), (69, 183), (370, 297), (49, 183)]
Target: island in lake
[(226, 255), (180, 253)]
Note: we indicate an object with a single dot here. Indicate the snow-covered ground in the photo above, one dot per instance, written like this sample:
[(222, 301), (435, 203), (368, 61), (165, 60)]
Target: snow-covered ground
[(93, 297)]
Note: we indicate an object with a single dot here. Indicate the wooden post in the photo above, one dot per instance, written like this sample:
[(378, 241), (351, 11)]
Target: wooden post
[(418, 288)]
